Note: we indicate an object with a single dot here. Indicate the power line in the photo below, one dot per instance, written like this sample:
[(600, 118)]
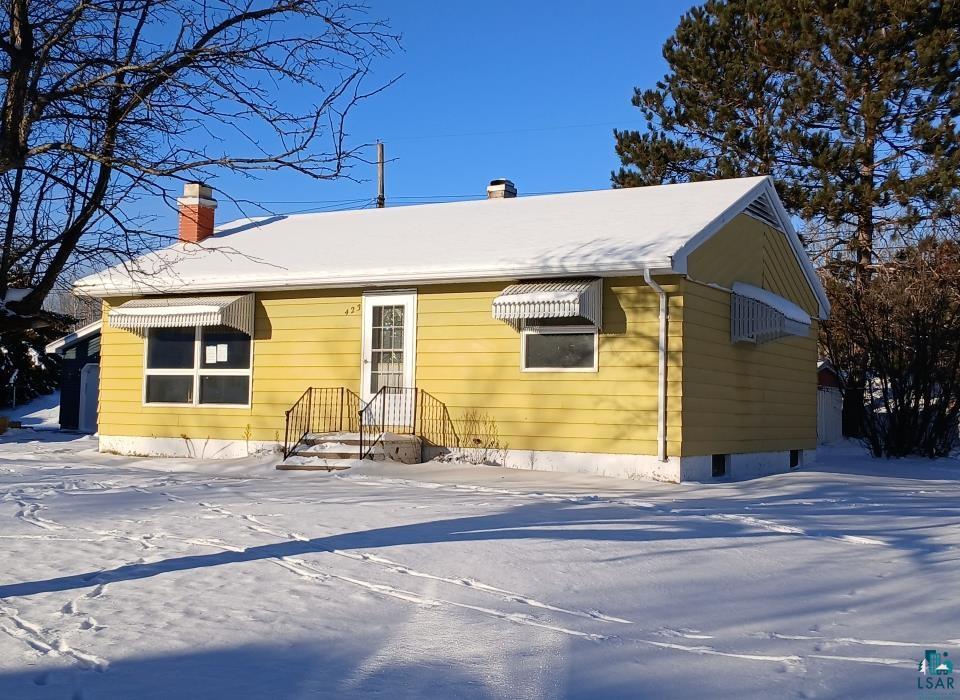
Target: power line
[(414, 199), (297, 201), (501, 132)]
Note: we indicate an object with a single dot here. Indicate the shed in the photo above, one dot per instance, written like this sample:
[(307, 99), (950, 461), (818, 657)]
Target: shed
[(829, 403), (80, 377)]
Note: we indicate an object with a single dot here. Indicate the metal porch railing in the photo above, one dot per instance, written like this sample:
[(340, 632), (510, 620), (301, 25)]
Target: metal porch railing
[(404, 411), (397, 410), (320, 410)]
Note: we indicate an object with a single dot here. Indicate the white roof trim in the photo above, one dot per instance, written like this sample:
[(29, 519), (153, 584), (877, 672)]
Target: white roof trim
[(83, 332), (801, 254), (299, 282), (560, 299), (139, 315)]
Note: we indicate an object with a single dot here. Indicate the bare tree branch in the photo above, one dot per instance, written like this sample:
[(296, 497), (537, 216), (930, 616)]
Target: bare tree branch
[(104, 103)]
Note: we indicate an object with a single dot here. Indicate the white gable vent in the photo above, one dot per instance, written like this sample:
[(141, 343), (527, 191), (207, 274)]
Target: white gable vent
[(762, 208), (759, 316)]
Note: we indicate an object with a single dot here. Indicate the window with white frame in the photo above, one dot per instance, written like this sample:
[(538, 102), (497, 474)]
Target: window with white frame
[(205, 365), (559, 345)]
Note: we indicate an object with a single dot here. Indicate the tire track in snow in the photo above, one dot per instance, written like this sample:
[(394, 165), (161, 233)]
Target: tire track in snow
[(650, 506), (476, 585), (865, 660), (32, 635), (774, 526), (464, 582), (410, 597), (252, 523), (850, 640), (51, 538), (309, 571)]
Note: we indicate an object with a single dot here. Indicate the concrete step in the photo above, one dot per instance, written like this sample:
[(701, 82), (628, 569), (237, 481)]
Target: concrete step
[(300, 463), (329, 450), (342, 438), (343, 445)]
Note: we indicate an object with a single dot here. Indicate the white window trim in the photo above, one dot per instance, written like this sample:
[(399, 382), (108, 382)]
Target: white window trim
[(559, 330), (195, 372)]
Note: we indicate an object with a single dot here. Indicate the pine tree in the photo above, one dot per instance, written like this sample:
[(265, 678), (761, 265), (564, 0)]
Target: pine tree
[(23, 356), (851, 107)]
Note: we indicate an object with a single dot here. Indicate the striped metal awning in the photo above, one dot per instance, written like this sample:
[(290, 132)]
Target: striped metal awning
[(138, 315), (553, 299), (759, 316)]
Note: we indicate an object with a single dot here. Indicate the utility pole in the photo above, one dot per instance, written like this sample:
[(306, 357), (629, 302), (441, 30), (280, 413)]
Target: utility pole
[(381, 198)]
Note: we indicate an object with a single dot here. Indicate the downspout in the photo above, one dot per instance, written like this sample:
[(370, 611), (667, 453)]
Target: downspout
[(661, 369)]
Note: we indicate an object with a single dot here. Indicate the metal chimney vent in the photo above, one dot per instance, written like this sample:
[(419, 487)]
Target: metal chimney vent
[(501, 188)]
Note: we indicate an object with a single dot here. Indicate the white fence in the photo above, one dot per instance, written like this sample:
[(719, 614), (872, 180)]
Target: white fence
[(829, 415)]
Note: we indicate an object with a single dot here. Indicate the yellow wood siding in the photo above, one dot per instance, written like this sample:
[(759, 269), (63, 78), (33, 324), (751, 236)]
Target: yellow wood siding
[(471, 362), (748, 250), (745, 398), (301, 339), (721, 398), (465, 358)]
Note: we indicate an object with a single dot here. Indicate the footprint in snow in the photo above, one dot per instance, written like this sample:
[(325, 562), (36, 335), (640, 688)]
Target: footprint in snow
[(41, 679)]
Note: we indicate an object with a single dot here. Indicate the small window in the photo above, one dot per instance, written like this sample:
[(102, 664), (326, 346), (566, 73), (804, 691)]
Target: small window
[(169, 388), (224, 348), (795, 458), (219, 388), (170, 348), (209, 365), (559, 349), (719, 464)]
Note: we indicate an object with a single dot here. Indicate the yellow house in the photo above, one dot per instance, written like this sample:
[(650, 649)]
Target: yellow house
[(660, 332)]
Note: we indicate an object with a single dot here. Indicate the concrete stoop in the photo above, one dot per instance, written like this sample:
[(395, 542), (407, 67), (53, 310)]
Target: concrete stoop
[(339, 451)]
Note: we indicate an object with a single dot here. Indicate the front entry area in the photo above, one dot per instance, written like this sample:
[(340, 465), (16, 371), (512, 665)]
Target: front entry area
[(389, 354)]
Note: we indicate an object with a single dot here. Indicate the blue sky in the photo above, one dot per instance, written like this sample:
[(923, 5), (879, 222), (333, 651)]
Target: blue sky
[(529, 91)]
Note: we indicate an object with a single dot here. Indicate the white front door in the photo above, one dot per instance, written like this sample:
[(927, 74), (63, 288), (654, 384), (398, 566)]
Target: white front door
[(389, 341)]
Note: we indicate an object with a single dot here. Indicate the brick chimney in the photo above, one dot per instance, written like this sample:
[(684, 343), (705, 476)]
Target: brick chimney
[(196, 212), (501, 188)]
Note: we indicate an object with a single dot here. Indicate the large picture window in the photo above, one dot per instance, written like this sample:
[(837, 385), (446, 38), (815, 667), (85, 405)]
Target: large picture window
[(560, 348), (207, 365)]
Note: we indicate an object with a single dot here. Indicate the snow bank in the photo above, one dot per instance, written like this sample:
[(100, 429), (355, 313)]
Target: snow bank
[(43, 413)]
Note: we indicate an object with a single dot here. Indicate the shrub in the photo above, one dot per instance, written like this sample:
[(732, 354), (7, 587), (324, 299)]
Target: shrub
[(896, 337)]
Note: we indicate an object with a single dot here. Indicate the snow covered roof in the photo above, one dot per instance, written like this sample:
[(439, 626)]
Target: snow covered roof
[(68, 341), (596, 233)]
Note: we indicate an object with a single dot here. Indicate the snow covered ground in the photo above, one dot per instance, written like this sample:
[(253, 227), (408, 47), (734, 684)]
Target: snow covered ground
[(43, 413), (150, 578)]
